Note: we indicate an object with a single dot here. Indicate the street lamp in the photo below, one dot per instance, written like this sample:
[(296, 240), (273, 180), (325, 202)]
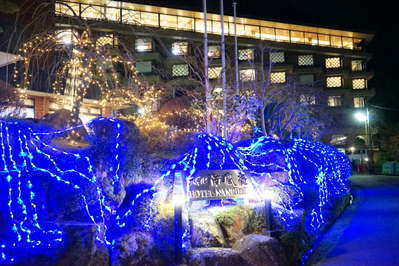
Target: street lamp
[(363, 116)]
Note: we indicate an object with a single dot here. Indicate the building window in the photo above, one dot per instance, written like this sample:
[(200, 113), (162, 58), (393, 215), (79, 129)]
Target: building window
[(358, 102), (306, 79), (144, 67), (334, 101), (180, 48), (180, 70), (247, 74), (67, 36), (334, 82), (357, 65), (246, 54), (214, 51), (144, 45), (307, 99), (305, 60), (214, 72), (277, 77), (333, 62), (277, 57), (108, 39), (359, 84)]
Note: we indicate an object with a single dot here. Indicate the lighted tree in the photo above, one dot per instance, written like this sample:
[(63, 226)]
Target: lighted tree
[(81, 66)]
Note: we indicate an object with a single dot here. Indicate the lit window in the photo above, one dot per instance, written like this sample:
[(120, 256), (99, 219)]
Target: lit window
[(214, 51), (143, 45), (277, 57), (359, 84), (214, 72), (347, 42), (336, 41), (334, 101), (108, 39), (144, 67), (307, 99), (267, 34), (334, 82), (357, 65), (358, 102), (247, 74), (277, 77), (282, 35), (113, 14), (149, 19), (131, 17), (70, 9), (180, 70), (333, 62), (311, 38), (297, 37), (180, 48), (168, 22), (92, 12), (66, 36), (324, 40), (246, 54), (305, 60), (306, 79), (184, 23)]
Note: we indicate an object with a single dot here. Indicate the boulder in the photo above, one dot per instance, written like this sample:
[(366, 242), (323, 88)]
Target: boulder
[(261, 250), (216, 257), (82, 248), (236, 221), (205, 231), (133, 249)]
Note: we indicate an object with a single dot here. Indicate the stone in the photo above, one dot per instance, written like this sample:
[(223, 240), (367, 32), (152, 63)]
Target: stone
[(261, 250), (216, 257), (236, 221), (82, 248), (133, 249), (205, 231)]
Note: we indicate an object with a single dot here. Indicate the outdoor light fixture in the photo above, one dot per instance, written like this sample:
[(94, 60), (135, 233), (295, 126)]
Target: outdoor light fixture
[(352, 149), (141, 111), (361, 116)]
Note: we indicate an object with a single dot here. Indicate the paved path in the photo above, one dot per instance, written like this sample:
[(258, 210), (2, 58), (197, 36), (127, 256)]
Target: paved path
[(368, 231)]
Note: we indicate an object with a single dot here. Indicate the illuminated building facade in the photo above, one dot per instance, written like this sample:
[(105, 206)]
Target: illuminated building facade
[(161, 37)]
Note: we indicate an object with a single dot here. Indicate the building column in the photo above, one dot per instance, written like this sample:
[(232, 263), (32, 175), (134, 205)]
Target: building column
[(41, 106)]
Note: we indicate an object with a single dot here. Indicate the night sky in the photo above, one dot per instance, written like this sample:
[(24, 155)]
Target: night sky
[(381, 20)]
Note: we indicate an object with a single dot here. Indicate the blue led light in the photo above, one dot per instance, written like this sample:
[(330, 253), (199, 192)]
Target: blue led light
[(26, 157)]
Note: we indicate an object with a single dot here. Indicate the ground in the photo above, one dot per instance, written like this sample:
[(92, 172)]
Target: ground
[(367, 233)]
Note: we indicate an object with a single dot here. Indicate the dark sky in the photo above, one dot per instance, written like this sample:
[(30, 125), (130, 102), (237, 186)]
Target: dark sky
[(378, 17)]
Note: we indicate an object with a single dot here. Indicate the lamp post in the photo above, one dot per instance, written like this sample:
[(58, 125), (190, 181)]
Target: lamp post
[(364, 117)]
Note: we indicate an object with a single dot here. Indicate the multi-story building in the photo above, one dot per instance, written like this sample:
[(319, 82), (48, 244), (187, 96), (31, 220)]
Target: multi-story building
[(332, 59)]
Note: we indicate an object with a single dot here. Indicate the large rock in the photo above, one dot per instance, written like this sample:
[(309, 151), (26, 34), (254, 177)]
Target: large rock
[(236, 221), (216, 257), (205, 231), (261, 250), (82, 248), (133, 249)]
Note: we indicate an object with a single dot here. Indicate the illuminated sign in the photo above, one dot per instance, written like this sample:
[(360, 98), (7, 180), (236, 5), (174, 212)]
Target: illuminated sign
[(218, 184)]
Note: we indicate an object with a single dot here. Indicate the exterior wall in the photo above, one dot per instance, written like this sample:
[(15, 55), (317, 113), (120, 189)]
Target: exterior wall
[(162, 59)]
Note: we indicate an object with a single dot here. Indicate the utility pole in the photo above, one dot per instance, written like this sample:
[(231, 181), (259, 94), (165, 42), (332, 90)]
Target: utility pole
[(237, 85), (206, 66), (224, 87)]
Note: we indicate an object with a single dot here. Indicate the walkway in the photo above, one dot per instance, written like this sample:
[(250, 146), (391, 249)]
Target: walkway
[(368, 231)]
